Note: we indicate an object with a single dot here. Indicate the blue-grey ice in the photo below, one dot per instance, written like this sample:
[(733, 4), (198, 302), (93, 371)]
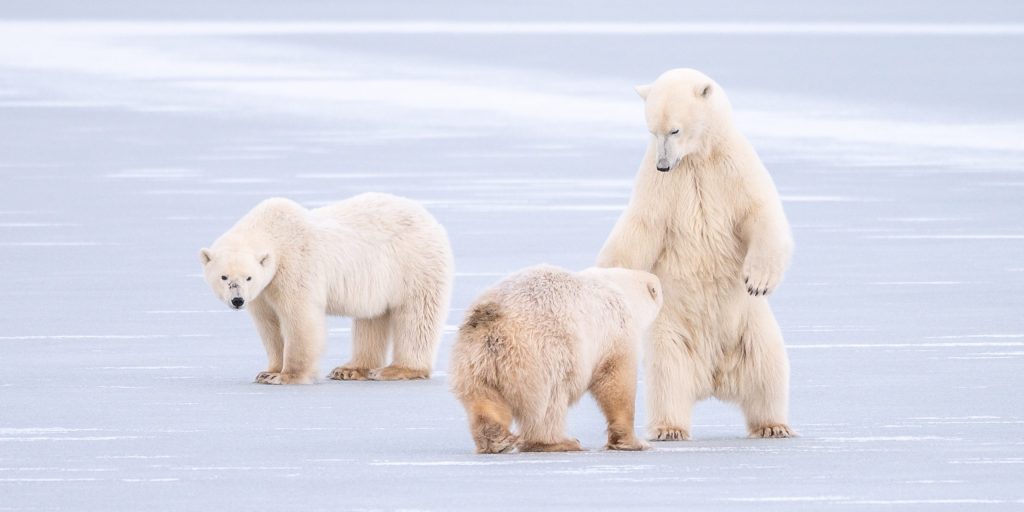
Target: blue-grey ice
[(134, 133)]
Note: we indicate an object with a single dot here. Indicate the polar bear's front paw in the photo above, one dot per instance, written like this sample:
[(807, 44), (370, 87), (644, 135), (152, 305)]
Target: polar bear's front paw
[(398, 373), (669, 434), (773, 431), (281, 378), (761, 275), (268, 378), (349, 373)]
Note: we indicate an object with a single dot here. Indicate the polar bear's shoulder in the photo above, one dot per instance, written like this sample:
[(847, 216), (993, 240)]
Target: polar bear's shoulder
[(271, 216)]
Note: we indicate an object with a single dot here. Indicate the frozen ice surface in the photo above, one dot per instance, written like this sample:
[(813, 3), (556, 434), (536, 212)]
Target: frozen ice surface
[(132, 134)]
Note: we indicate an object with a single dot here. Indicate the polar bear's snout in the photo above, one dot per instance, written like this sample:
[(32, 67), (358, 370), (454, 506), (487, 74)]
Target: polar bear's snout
[(237, 302), (669, 151)]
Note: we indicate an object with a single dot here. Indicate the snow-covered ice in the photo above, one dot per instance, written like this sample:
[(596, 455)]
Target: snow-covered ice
[(133, 133)]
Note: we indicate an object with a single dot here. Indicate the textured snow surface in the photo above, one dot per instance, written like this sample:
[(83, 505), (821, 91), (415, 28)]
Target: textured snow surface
[(132, 134)]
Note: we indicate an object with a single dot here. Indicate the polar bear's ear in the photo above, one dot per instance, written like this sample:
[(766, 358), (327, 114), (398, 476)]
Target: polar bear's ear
[(705, 91), (643, 90), (205, 256), (264, 260)]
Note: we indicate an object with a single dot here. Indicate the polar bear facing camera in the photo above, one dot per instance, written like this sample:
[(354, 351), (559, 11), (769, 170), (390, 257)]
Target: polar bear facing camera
[(705, 217), (380, 259), (534, 343)]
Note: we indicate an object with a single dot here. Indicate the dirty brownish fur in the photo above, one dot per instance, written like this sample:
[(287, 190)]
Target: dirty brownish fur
[(483, 315), (490, 421), (614, 388), (531, 345)]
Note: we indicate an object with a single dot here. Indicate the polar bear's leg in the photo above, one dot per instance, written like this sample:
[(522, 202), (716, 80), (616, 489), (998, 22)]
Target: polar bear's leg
[(490, 419), (304, 330), (416, 328), (671, 386), (763, 379), (369, 348), (270, 333), (542, 429), (614, 388)]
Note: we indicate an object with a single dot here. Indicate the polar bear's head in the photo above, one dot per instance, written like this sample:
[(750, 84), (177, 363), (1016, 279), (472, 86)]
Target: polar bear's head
[(642, 291), (237, 275), (682, 107)]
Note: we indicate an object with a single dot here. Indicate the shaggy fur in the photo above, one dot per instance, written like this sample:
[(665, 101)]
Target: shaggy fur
[(534, 343), (378, 258), (711, 226)]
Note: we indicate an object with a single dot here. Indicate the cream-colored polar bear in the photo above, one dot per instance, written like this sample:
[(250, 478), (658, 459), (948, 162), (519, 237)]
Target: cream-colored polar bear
[(378, 258), (705, 218), (534, 343)]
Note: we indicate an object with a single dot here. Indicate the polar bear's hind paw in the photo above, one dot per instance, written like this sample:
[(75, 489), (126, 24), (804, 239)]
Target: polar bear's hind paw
[(398, 373), (565, 445), (773, 431), (669, 434), (349, 373)]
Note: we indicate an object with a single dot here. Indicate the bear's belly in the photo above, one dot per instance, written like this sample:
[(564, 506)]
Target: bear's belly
[(363, 295), (367, 306), (701, 273)]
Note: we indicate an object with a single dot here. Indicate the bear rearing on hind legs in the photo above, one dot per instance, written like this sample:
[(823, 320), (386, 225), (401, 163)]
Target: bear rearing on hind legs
[(706, 219)]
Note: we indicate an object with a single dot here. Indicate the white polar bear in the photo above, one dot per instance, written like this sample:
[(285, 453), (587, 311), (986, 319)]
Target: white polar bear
[(381, 259), (705, 218), (534, 343)]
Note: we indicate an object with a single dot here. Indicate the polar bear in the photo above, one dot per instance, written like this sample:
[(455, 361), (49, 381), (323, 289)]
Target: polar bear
[(534, 343), (381, 259), (705, 217)]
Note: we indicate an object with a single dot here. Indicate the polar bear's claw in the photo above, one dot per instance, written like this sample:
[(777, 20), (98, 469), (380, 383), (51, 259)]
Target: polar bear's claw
[(762, 272), (670, 434)]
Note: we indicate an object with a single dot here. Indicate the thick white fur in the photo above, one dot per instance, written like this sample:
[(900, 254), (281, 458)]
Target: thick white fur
[(535, 342), (378, 258), (713, 229)]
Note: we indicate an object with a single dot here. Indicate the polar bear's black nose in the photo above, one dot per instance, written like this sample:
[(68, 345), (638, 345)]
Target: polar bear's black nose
[(237, 302), (663, 169)]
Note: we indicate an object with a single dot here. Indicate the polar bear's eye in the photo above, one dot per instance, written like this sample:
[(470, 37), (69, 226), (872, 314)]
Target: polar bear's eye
[(653, 291), (248, 278), (673, 132), (223, 278)]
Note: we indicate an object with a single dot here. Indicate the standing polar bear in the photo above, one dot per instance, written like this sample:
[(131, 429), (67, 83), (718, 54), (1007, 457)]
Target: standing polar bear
[(705, 218), (535, 342), (378, 258)]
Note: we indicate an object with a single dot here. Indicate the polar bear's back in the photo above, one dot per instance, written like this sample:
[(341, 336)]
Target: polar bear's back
[(384, 214), (399, 228), (377, 250)]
